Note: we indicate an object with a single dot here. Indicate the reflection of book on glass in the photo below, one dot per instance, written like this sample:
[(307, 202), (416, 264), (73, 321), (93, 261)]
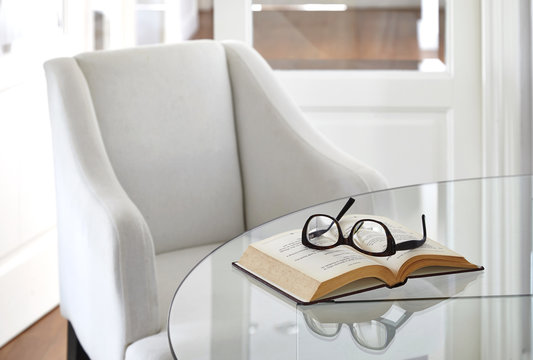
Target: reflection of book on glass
[(373, 324), (307, 275)]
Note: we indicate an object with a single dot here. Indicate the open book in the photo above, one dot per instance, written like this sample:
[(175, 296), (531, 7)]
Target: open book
[(306, 275)]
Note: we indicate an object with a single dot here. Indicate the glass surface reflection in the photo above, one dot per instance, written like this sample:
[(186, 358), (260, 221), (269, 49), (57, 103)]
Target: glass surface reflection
[(218, 313), (457, 328), (373, 324), (374, 334)]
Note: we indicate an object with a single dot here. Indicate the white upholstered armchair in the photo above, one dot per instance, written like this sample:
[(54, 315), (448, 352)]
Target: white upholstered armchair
[(149, 144)]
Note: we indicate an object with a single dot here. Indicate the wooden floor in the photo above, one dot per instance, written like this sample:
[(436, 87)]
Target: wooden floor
[(44, 340), (351, 39)]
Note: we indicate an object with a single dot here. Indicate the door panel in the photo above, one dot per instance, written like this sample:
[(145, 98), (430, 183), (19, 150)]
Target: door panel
[(379, 138), (444, 105)]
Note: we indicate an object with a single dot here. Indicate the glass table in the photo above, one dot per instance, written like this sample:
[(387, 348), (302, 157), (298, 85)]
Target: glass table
[(220, 313)]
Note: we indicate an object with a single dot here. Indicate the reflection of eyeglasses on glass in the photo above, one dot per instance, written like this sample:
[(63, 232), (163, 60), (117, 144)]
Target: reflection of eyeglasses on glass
[(375, 334), (369, 236)]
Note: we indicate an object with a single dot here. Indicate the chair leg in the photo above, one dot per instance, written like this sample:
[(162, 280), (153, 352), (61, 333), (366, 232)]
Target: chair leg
[(74, 349)]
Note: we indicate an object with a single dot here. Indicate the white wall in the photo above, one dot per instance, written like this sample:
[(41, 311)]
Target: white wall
[(173, 21), (28, 241), (28, 255)]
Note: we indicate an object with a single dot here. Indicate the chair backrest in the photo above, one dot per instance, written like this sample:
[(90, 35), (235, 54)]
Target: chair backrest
[(166, 118), (204, 140)]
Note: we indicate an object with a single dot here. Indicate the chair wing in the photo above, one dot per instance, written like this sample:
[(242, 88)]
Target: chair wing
[(107, 276), (286, 164)]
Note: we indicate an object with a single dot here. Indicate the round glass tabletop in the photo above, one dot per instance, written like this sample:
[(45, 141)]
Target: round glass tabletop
[(220, 313)]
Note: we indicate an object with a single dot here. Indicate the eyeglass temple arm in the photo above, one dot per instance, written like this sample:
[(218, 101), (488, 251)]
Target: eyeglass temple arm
[(343, 211), (411, 244), (346, 207)]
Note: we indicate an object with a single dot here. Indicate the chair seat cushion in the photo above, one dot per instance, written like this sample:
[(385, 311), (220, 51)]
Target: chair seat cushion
[(171, 269), (153, 347), (156, 347)]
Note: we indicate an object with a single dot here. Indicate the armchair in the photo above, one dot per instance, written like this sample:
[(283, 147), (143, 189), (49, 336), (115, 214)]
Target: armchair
[(149, 143)]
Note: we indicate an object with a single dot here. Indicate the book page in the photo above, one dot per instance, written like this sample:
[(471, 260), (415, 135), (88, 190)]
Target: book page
[(321, 265), (400, 233), (430, 247)]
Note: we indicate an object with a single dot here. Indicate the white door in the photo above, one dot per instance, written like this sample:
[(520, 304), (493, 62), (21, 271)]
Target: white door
[(413, 126)]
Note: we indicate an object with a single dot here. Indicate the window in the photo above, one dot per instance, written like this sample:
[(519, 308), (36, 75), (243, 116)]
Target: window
[(350, 34)]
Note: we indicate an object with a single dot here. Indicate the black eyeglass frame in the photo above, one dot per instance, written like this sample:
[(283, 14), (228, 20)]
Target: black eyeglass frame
[(392, 246)]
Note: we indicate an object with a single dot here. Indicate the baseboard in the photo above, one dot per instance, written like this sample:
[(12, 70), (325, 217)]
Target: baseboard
[(29, 284)]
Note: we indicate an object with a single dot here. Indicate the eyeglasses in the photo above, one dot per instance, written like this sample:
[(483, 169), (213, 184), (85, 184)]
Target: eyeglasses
[(369, 236)]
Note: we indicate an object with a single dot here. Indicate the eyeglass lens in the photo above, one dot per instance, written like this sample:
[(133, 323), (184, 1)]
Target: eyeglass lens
[(322, 231), (370, 236)]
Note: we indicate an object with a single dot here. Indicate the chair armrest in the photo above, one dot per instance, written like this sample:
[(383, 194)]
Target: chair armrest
[(106, 253), (286, 163)]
